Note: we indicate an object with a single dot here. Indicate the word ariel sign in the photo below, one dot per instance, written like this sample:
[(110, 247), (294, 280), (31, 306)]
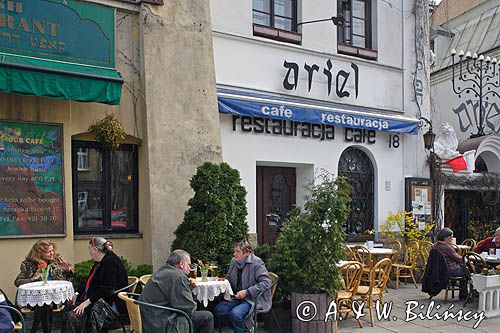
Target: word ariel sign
[(65, 30), (31, 178)]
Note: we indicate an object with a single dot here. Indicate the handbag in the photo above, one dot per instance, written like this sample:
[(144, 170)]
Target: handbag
[(102, 315)]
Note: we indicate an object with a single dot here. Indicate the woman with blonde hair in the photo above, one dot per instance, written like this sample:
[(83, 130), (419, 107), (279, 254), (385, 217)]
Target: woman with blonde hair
[(43, 252)]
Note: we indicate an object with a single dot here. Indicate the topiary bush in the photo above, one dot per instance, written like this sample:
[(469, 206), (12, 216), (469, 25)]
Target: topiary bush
[(216, 217), (312, 241)]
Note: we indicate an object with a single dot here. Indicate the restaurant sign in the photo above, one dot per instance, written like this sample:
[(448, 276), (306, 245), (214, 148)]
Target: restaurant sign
[(31, 174), (64, 30)]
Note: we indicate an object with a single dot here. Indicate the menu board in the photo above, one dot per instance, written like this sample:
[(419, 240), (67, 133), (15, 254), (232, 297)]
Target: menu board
[(419, 200), (31, 179)]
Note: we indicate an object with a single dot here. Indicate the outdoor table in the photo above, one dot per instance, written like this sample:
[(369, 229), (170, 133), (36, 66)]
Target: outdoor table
[(381, 251), (207, 291), (37, 294), (492, 261)]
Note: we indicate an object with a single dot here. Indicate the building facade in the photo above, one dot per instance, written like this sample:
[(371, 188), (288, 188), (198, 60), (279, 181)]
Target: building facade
[(465, 94), (66, 65), (330, 85)]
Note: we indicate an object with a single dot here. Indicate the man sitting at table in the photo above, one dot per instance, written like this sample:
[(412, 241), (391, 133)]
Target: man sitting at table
[(492, 242), (248, 276), (169, 286)]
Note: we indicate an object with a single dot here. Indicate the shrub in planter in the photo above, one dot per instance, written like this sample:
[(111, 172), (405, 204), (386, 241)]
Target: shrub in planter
[(311, 244), (216, 217)]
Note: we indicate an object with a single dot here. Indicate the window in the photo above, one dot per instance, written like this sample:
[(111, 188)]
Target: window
[(276, 19), (355, 36), (83, 159), (106, 199)]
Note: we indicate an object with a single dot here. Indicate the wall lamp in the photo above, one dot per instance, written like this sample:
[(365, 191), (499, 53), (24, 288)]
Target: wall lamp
[(429, 136), (336, 20)]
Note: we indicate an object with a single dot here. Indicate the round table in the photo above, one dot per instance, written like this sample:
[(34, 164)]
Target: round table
[(207, 291), (35, 293)]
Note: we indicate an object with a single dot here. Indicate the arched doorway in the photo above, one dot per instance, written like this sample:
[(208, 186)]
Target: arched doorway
[(356, 166)]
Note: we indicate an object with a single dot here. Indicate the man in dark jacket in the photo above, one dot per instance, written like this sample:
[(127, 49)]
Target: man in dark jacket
[(169, 286)]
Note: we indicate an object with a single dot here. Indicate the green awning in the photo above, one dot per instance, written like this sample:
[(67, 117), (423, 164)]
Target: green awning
[(38, 77)]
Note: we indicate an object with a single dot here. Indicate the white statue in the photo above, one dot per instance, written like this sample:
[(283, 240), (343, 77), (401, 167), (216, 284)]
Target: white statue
[(446, 143)]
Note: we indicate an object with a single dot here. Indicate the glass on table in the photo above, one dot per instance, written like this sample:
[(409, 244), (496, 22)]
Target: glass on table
[(215, 269), (193, 271), (492, 252)]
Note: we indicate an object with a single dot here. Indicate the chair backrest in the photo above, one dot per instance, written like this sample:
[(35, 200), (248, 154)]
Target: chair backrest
[(474, 262), (349, 255), (456, 248), (274, 280), (132, 282), (144, 279), (425, 248), (379, 274), (134, 312), (351, 272), (396, 246), (179, 313), (19, 325), (411, 254), (471, 243), (362, 255)]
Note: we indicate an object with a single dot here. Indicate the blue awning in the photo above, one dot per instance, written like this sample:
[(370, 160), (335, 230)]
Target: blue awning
[(275, 107)]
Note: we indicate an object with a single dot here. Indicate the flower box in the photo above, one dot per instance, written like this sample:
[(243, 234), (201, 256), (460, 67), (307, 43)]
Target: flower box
[(488, 287)]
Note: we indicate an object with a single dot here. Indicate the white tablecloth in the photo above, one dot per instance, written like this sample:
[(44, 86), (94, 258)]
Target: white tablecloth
[(35, 293), (207, 291)]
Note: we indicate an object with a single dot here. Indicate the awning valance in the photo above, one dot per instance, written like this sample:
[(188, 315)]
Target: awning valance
[(299, 110), (60, 80)]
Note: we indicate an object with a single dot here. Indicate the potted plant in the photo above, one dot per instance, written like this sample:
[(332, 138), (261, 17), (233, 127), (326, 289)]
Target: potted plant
[(308, 249), (487, 284), (108, 132)]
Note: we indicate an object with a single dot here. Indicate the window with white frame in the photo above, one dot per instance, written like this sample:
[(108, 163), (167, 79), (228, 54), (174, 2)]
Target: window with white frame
[(82, 156), (82, 200)]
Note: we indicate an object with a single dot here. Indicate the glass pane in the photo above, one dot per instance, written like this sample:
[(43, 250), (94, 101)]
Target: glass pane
[(262, 19), (262, 5), (358, 41), (122, 190), (283, 8), (90, 193), (358, 27), (282, 23), (358, 9)]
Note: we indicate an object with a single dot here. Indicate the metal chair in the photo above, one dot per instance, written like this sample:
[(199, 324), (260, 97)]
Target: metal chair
[(166, 308), (256, 311), (474, 264), (18, 325), (471, 243)]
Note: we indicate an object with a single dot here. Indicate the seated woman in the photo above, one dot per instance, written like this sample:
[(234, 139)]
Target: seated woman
[(454, 261), (43, 251), (248, 276), (106, 276)]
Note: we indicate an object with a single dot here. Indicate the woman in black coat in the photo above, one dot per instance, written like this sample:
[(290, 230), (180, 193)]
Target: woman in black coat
[(106, 276)]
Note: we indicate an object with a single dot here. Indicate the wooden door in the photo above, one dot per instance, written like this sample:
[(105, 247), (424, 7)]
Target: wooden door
[(275, 194)]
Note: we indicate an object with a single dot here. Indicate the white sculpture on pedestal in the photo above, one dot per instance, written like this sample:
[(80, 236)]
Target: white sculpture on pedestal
[(446, 143)]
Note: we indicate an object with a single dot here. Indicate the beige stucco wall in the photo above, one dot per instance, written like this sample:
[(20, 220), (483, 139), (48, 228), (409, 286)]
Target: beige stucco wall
[(448, 9), (76, 118), (182, 117)]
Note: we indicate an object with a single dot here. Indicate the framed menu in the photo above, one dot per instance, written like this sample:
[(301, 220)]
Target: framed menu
[(32, 179), (419, 199)]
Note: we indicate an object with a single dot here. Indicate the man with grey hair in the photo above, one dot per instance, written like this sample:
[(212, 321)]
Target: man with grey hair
[(169, 286), (492, 242)]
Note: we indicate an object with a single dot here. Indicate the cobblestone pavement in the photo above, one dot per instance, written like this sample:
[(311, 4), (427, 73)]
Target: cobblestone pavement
[(399, 300)]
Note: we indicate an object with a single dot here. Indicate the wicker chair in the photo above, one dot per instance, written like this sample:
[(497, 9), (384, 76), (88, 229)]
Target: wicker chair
[(424, 249), (407, 268), (471, 243), (132, 282), (364, 256), (379, 276), (144, 279), (351, 278)]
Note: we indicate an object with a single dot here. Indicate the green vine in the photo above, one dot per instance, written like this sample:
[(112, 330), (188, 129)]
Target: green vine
[(108, 132)]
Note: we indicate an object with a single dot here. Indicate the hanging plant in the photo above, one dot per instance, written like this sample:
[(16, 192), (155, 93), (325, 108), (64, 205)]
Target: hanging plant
[(108, 132)]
